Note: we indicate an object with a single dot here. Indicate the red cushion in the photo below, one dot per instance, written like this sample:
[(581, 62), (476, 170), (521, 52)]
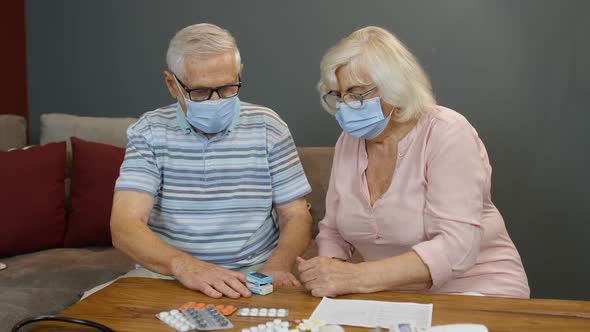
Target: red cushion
[(32, 210), (95, 168)]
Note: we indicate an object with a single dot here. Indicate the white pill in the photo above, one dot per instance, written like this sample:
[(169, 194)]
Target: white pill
[(173, 312), (263, 312), (244, 311), (272, 312), (163, 314), (284, 324), (254, 329), (268, 324), (277, 321), (261, 326)]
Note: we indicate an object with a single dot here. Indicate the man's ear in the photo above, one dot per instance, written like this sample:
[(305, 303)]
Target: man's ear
[(170, 82), (241, 70)]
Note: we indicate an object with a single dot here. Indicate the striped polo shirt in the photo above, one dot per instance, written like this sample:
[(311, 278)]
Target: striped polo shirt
[(213, 197)]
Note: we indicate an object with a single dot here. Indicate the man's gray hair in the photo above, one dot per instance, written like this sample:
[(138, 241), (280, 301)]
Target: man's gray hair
[(201, 41)]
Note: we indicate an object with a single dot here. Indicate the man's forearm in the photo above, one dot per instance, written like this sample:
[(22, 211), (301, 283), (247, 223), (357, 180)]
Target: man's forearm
[(136, 240), (294, 239)]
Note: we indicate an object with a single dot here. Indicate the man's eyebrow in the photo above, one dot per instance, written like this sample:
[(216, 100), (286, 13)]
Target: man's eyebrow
[(214, 87)]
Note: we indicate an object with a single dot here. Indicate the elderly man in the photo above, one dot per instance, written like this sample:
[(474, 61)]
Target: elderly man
[(201, 177)]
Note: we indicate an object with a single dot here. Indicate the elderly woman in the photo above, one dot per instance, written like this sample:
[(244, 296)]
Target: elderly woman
[(410, 185)]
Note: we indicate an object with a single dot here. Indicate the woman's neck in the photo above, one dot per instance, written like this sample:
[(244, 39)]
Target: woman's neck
[(394, 132)]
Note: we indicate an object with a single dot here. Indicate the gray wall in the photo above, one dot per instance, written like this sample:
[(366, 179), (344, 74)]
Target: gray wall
[(518, 70)]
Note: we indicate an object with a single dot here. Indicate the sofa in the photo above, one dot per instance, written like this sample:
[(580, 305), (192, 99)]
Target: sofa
[(48, 280)]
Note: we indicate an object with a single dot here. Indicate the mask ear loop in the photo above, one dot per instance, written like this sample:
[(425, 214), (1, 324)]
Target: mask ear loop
[(180, 94), (393, 108)]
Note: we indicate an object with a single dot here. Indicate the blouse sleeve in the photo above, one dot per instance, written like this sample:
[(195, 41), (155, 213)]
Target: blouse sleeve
[(456, 176)]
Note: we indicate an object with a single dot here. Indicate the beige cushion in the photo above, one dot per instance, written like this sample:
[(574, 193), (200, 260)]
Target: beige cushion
[(13, 131), (317, 163), (57, 127)]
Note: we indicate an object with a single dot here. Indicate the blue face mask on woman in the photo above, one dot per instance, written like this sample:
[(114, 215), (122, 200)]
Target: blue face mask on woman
[(211, 116), (366, 121)]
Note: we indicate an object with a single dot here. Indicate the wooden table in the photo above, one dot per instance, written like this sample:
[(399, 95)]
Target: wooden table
[(131, 304)]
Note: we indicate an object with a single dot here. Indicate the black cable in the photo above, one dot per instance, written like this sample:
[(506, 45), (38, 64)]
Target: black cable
[(61, 319)]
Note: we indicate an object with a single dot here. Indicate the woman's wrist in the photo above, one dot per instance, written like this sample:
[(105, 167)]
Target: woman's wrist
[(365, 278)]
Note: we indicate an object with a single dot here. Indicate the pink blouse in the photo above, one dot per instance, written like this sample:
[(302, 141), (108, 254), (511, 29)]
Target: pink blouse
[(438, 205)]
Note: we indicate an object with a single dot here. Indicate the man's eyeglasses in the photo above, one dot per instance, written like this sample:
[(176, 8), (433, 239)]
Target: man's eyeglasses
[(353, 100), (202, 94)]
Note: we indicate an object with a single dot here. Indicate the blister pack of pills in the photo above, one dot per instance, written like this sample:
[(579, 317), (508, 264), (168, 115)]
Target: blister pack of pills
[(226, 310), (276, 325), (190, 319), (263, 312)]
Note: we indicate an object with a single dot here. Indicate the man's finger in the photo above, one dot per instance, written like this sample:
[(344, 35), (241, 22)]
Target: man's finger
[(299, 260), (240, 276), (278, 282), (223, 288), (209, 291), (238, 286), (294, 281)]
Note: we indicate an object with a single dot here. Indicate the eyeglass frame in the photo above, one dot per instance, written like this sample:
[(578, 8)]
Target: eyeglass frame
[(216, 89), (360, 95)]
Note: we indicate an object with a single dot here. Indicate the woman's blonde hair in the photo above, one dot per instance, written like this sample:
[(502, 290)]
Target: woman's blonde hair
[(376, 56)]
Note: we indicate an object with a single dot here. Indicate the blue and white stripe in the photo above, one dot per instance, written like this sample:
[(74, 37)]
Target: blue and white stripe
[(213, 197)]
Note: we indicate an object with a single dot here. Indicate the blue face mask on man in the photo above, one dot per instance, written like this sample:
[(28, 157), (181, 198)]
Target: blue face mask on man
[(366, 121), (211, 116)]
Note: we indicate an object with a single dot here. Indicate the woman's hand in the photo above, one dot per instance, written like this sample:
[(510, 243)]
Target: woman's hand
[(325, 276)]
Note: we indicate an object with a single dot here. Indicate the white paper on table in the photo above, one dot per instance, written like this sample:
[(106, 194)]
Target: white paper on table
[(372, 313)]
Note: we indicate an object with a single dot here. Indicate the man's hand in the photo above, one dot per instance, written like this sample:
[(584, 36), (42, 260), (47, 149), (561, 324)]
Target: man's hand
[(325, 276), (211, 280), (280, 276)]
